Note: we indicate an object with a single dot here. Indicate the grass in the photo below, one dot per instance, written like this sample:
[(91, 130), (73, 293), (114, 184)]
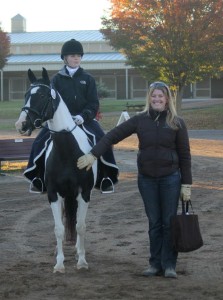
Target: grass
[(209, 117), (110, 105), (204, 118), (197, 118), (11, 109)]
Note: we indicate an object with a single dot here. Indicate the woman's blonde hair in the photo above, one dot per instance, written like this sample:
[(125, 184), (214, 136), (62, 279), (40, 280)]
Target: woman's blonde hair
[(171, 119)]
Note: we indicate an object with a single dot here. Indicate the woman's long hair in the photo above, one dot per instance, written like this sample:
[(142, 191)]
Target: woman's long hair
[(172, 118)]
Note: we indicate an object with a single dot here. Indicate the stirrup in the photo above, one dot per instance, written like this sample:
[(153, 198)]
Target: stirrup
[(33, 189), (110, 188)]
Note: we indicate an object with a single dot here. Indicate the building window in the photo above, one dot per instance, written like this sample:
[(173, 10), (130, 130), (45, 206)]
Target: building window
[(139, 87), (17, 88), (110, 83), (203, 89)]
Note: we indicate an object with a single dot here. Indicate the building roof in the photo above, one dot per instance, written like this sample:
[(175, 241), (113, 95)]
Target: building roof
[(91, 60), (114, 56), (55, 36)]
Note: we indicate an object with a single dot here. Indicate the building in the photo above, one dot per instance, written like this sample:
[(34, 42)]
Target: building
[(42, 49), (35, 50)]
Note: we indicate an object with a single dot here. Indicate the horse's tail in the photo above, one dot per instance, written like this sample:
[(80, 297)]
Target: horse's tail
[(70, 208)]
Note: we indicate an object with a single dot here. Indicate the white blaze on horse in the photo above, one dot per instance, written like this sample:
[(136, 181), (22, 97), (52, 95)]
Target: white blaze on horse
[(68, 188)]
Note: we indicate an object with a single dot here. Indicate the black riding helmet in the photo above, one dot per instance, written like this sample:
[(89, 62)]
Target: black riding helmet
[(71, 47)]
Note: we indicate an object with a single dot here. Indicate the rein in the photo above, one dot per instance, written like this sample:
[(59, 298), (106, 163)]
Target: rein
[(63, 131), (41, 115)]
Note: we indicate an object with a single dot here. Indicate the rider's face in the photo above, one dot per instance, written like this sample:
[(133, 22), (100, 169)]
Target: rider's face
[(73, 60)]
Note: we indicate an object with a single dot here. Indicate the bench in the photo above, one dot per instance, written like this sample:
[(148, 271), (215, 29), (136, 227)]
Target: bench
[(15, 149), (135, 107)]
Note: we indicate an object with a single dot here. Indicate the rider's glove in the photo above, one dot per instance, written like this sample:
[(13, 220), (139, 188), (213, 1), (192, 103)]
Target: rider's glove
[(185, 192), (86, 160), (78, 119)]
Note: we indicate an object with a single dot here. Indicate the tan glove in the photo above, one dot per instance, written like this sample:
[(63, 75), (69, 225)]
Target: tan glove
[(86, 160), (185, 192)]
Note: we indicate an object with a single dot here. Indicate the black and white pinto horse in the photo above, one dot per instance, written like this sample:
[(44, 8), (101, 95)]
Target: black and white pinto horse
[(68, 188)]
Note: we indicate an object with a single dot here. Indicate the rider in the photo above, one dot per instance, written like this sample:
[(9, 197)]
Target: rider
[(78, 90)]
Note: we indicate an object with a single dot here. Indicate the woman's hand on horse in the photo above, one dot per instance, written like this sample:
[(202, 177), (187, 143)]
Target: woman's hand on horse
[(78, 119), (86, 160)]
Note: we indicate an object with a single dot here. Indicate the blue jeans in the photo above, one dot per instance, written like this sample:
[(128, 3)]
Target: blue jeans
[(161, 197)]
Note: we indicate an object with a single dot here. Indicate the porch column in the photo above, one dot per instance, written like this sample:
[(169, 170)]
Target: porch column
[(1, 85), (126, 84)]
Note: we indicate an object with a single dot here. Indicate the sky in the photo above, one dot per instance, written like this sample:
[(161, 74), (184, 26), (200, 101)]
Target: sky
[(54, 15)]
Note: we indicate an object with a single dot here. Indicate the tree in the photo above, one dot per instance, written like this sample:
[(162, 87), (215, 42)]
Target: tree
[(103, 92), (4, 48), (177, 41)]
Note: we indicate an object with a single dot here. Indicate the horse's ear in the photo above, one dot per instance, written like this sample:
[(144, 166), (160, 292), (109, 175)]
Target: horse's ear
[(45, 76), (31, 76)]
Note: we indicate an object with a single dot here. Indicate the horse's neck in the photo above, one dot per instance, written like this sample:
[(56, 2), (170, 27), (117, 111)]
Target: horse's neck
[(62, 119)]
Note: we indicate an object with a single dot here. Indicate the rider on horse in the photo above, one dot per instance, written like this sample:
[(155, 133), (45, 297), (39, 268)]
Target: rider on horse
[(78, 90)]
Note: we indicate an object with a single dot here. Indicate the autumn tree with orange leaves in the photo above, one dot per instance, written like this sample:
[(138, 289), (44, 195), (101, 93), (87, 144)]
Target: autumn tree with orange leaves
[(177, 41), (4, 47)]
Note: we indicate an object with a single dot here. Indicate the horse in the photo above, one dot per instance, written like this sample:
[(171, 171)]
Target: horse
[(68, 188)]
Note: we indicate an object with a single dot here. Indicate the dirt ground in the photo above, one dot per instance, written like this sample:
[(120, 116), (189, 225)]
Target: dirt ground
[(117, 246)]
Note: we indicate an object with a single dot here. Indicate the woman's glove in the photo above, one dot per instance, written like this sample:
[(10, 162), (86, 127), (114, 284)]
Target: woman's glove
[(78, 119), (86, 160), (185, 192)]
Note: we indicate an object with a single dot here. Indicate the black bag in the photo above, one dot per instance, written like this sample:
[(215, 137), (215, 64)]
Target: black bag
[(185, 230)]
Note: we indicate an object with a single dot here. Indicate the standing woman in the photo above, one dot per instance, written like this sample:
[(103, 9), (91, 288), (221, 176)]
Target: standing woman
[(164, 170)]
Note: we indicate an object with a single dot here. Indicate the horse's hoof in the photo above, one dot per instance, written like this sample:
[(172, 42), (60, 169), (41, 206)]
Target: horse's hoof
[(59, 270), (82, 266)]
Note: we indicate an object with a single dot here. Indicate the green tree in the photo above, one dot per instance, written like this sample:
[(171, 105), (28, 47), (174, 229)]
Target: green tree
[(177, 41), (103, 92), (4, 47)]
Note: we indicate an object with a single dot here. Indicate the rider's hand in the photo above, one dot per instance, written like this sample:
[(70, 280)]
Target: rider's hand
[(78, 119), (185, 192), (86, 160)]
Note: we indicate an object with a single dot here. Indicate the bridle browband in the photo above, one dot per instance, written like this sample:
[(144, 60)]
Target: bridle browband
[(52, 97)]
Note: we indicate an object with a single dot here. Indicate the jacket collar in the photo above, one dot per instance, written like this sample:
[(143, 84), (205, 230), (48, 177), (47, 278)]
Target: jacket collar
[(156, 115), (64, 72)]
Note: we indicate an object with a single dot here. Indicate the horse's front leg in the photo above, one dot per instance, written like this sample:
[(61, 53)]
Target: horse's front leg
[(57, 209), (81, 230)]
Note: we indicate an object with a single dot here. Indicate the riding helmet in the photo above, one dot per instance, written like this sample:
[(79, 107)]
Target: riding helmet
[(71, 47)]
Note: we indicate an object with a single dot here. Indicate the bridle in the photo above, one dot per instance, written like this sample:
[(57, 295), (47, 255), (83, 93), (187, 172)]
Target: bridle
[(38, 122)]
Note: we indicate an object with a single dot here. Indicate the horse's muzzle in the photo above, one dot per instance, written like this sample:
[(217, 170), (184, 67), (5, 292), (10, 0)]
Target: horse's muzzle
[(25, 129)]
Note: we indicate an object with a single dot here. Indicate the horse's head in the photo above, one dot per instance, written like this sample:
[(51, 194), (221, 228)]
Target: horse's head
[(40, 104)]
